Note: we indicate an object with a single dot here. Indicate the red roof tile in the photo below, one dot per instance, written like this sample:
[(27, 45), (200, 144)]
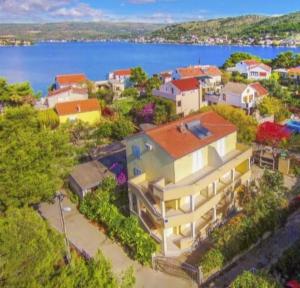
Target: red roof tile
[(294, 70), (255, 63), (251, 62), (75, 107), (261, 90), (123, 72), (189, 72), (66, 89), (178, 144), (213, 71), (69, 79), (186, 84)]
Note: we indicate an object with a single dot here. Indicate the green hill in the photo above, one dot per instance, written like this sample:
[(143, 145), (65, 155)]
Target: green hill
[(77, 30), (233, 27)]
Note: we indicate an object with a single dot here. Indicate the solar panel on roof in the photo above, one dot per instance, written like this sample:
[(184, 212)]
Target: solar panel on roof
[(197, 129)]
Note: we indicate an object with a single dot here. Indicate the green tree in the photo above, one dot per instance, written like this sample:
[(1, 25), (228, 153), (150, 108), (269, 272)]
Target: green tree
[(276, 90), (286, 60), (152, 83), (130, 93), (29, 249), (17, 93), (121, 128), (33, 160), (250, 280), (246, 124), (273, 106), (96, 272), (48, 119), (32, 256), (138, 76)]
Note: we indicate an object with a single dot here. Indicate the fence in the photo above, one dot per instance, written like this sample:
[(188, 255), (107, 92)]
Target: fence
[(176, 268)]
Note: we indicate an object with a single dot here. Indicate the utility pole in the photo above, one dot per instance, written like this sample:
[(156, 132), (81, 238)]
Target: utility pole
[(60, 197)]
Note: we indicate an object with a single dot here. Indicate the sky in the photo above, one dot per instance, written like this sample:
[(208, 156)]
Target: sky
[(152, 11)]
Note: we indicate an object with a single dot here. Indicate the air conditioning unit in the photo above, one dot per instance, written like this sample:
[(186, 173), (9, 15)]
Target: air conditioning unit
[(149, 147)]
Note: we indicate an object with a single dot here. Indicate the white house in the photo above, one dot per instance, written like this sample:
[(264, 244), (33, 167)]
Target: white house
[(186, 93), (74, 80), (120, 76), (240, 95), (253, 69), (66, 94), (210, 77)]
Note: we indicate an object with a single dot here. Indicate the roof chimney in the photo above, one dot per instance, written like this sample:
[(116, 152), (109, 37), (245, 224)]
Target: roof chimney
[(182, 128)]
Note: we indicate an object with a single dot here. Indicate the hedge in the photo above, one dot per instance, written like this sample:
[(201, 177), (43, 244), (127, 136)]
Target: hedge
[(99, 207)]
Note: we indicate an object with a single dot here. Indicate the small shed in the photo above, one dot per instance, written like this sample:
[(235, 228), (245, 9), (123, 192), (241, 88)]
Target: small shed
[(87, 177)]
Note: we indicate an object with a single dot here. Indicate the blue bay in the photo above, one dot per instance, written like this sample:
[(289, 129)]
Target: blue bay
[(40, 63)]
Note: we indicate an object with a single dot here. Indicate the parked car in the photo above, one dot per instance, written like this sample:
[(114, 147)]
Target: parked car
[(292, 284)]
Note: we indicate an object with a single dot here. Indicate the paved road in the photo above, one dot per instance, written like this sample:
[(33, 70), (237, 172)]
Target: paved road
[(265, 254), (88, 238)]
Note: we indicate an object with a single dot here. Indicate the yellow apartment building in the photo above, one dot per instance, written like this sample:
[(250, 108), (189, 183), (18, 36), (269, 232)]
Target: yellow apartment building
[(85, 110), (183, 178)]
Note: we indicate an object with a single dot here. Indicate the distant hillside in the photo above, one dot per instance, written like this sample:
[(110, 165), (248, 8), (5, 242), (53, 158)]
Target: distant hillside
[(209, 28), (78, 31), (233, 27)]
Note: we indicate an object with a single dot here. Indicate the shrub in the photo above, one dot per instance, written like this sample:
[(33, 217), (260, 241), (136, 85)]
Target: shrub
[(263, 213), (212, 260), (99, 207), (250, 280), (121, 128)]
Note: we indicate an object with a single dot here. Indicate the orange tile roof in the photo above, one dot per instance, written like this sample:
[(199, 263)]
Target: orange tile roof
[(123, 72), (261, 90), (69, 79), (213, 71), (254, 63), (294, 70), (189, 72), (178, 144), (186, 84), (75, 107), (68, 88), (251, 62)]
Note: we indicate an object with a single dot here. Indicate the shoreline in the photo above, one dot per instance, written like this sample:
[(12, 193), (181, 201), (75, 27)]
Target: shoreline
[(163, 43)]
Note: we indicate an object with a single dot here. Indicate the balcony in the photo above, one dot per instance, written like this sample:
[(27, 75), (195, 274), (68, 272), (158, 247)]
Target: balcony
[(200, 180), (159, 195)]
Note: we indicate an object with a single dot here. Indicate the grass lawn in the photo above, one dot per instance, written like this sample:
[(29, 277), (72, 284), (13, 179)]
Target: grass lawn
[(124, 105)]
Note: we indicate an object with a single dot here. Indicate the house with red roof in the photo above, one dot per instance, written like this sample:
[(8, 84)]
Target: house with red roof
[(294, 74), (121, 76), (183, 178), (186, 94), (73, 80), (66, 94), (210, 77), (253, 69), (239, 95), (120, 80), (88, 111)]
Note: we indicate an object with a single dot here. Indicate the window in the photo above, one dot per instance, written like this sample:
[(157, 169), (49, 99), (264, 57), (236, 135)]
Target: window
[(72, 118), (221, 147), (137, 171), (172, 89), (136, 151), (197, 161), (179, 104)]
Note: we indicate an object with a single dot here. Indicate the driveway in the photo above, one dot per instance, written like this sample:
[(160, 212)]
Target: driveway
[(264, 255), (89, 239)]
